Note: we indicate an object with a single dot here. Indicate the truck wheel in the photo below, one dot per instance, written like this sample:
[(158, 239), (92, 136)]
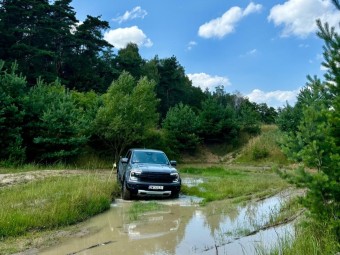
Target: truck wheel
[(174, 194), (126, 194)]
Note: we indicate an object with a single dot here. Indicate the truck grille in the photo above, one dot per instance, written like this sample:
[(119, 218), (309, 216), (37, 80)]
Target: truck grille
[(157, 177)]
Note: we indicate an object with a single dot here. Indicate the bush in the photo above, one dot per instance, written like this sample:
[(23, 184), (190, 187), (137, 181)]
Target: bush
[(260, 152)]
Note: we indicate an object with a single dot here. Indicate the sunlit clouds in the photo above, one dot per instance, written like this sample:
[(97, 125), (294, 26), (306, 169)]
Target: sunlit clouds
[(206, 81), (276, 98), (120, 37), (298, 17), (136, 13), (226, 24)]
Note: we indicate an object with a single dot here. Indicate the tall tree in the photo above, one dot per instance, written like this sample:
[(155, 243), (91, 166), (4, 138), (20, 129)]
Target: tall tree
[(129, 60), (61, 37), (25, 30), (55, 128), (13, 90), (182, 125), (86, 68), (47, 41), (218, 122), (289, 117), (268, 114), (316, 141), (249, 117), (170, 89), (128, 112)]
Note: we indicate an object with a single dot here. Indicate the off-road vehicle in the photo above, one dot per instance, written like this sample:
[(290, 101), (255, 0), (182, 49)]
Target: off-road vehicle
[(147, 172)]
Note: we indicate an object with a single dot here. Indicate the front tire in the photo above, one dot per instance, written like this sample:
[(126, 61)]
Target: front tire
[(175, 194), (126, 194)]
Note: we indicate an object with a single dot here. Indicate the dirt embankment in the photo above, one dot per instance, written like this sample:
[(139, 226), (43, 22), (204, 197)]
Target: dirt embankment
[(25, 177)]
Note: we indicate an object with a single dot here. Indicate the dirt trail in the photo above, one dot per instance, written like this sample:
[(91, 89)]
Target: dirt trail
[(25, 177)]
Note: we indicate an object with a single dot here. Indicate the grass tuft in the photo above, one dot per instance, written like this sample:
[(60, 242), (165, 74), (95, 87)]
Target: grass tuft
[(139, 208), (57, 201), (241, 185)]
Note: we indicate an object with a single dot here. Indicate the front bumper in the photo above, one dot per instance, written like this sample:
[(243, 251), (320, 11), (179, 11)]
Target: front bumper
[(143, 189)]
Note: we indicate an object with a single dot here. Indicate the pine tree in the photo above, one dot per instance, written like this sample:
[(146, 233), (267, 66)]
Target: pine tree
[(316, 140)]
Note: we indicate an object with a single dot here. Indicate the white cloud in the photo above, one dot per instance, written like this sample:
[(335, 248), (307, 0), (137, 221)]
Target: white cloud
[(120, 37), (225, 24), (252, 52), (276, 98), (136, 12), (298, 17), (251, 8), (191, 44), (206, 81)]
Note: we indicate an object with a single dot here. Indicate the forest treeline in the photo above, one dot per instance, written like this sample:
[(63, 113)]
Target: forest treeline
[(64, 89)]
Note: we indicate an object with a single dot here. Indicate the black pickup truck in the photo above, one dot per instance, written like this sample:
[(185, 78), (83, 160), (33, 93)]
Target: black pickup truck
[(147, 172)]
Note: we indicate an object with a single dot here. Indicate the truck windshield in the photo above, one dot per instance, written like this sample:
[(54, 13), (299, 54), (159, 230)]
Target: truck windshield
[(149, 157)]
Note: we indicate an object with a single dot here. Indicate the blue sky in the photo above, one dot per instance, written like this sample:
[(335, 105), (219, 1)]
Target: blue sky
[(262, 49)]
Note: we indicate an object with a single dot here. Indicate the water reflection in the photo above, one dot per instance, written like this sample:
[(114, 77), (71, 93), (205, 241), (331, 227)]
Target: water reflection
[(182, 228)]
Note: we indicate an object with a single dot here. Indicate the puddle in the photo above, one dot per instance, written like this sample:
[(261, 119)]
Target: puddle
[(182, 227), (191, 182)]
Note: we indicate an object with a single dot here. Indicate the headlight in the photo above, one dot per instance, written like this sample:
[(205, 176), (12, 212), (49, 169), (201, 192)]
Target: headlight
[(175, 176), (134, 175)]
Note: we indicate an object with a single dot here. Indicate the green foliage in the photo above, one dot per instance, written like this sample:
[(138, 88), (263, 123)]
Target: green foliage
[(314, 145), (268, 114), (87, 66), (289, 117), (47, 41), (88, 104), (182, 126), (260, 152), (316, 140), (248, 117), (129, 60), (218, 122), (56, 128), (128, 111), (174, 87), (13, 98), (224, 117)]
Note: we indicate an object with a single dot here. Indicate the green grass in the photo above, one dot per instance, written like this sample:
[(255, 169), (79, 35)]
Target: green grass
[(221, 183), (139, 208), (312, 238), (88, 163), (264, 148), (53, 202), (288, 211)]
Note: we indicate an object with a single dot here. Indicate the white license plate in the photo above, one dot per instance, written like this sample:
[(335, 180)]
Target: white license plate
[(156, 187)]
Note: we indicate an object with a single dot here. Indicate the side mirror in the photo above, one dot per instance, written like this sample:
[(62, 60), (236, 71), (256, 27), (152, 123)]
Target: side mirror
[(173, 162), (124, 160)]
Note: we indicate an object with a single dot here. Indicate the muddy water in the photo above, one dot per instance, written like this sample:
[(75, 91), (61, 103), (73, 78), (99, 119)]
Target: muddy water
[(181, 227)]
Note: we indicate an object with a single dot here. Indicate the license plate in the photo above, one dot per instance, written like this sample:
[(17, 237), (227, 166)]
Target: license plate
[(155, 187)]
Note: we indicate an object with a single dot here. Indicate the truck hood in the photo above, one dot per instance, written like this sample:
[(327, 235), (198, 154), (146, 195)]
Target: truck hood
[(155, 168)]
